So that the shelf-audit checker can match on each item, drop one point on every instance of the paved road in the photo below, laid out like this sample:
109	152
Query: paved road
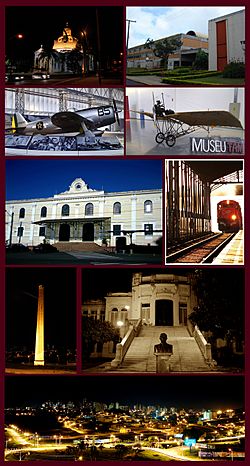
92	81
73	258
146	81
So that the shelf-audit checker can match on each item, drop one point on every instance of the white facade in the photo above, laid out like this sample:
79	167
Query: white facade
160	299
234	46
84	214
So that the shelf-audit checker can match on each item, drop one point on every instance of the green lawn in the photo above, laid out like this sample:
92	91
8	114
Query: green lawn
218	80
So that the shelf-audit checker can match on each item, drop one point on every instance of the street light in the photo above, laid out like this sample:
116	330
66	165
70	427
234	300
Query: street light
120	325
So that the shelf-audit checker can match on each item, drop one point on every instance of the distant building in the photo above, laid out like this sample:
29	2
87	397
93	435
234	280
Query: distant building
226	40
84	214
142	57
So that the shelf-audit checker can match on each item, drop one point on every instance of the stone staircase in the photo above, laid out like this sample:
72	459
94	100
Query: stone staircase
81	246
186	356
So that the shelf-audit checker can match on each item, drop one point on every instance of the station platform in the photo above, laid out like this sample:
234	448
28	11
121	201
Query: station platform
233	253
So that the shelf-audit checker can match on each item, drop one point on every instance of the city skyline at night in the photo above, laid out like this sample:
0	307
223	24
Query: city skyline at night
197	392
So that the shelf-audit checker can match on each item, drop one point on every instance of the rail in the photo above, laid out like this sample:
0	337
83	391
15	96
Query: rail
123	346
204	346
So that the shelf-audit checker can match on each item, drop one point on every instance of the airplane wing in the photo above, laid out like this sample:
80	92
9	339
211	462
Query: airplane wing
149	114
71	121
206	118
200	118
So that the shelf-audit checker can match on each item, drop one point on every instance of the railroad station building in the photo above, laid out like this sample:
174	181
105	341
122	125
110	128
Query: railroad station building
142	57
83	214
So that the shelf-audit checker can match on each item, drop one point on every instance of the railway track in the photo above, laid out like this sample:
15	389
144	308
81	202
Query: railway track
202	252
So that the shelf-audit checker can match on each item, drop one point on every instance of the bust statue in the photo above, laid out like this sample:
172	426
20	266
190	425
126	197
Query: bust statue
163	347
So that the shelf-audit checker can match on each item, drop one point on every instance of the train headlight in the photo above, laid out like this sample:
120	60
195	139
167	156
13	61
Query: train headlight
233	217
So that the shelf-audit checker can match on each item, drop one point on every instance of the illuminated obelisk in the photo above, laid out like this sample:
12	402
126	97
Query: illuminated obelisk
39	349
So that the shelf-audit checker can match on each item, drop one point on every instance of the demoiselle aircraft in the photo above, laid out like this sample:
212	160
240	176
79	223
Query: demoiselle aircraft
86	122
171	125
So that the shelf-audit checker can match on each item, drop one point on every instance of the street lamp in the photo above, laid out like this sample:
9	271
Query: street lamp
120	325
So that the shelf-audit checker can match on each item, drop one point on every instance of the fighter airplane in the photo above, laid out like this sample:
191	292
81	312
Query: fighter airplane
171	125
86	122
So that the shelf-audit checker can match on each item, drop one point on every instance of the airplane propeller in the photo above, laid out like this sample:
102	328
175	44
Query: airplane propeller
116	113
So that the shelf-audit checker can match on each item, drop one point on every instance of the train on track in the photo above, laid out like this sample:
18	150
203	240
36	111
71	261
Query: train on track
229	216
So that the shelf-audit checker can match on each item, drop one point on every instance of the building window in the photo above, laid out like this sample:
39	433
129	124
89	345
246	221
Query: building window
20	232
22	213
148	207
89	209
44	212
124	315
148	229
145	313
65	210
42	231
117	209
117	230
114	316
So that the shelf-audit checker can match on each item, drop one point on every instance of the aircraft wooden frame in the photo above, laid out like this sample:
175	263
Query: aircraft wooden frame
174	125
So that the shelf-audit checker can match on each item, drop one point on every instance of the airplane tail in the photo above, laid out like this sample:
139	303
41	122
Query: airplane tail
18	122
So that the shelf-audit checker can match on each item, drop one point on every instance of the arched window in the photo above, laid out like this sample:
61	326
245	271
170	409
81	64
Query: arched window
148	207
124	314
65	210
89	209
117	209
114	315
44	212
22	213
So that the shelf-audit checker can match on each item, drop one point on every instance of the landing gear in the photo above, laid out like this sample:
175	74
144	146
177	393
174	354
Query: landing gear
159	138
170	140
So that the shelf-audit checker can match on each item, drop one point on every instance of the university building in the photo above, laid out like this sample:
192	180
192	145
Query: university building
84	214
141	56
157	299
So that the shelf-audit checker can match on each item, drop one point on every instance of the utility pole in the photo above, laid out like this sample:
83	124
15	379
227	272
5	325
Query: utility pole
129	21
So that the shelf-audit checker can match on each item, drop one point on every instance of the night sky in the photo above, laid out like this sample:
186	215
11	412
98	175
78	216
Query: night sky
27	179
121	280
180	391
43	25
60	306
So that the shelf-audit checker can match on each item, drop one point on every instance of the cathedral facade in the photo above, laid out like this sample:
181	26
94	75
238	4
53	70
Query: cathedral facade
68	55
84	214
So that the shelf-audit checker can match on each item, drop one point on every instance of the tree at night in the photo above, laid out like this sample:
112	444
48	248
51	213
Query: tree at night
96	332
220	307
